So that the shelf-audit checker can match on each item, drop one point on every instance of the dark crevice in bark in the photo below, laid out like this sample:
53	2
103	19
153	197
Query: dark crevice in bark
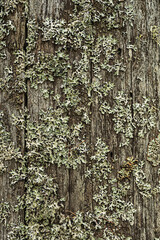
132	103
119	51
69	189
25	116
69	170
91	111
46	10
133	150
91	106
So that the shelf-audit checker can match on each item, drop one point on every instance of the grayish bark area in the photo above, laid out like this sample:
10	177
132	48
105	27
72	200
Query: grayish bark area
145	82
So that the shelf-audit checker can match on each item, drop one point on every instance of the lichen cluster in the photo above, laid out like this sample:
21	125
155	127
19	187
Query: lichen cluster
76	75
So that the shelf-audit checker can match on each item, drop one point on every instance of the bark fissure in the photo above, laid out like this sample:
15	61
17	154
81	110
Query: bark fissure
25	116
91	107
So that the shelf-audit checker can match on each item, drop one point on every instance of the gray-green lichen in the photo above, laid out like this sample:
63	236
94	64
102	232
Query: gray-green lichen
154	151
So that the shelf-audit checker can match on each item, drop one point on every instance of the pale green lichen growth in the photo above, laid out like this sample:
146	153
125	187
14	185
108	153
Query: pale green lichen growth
6	25
141	182
129	117
154	151
155	31
4	212
8	152
110	194
145	116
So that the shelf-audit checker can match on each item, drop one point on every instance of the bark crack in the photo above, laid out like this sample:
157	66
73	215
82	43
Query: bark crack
25	116
91	106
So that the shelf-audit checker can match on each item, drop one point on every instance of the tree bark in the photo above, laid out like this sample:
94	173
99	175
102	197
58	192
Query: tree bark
79	102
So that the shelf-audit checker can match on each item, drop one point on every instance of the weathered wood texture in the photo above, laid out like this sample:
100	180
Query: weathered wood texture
125	116
11	103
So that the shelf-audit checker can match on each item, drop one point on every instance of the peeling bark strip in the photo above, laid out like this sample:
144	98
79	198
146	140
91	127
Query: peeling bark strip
79	119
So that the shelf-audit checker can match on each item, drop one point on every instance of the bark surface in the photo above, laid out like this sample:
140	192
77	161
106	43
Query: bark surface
88	73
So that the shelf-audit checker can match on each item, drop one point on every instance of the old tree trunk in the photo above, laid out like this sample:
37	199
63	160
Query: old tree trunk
79	119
